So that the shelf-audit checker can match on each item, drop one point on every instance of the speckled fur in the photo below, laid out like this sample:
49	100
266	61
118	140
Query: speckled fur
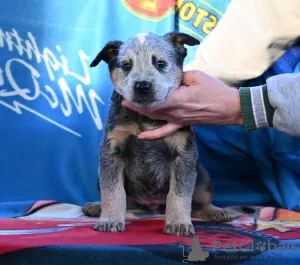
151	173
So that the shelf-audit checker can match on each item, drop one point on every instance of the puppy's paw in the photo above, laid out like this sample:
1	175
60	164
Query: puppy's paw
220	216
92	209
105	225
215	214
183	229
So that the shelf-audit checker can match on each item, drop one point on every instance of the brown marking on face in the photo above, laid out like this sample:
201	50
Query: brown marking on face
120	133
113	76
178	141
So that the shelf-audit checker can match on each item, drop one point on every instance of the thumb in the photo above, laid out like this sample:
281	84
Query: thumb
160	132
192	77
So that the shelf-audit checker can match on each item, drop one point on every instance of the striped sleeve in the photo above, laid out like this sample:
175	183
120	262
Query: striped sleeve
257	111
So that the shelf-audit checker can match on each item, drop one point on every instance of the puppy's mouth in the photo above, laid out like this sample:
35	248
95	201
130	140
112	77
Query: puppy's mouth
153	101
145	101
148	101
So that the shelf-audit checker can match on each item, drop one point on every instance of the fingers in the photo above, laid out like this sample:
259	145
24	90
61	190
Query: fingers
157	133
195	77
192	77
160	132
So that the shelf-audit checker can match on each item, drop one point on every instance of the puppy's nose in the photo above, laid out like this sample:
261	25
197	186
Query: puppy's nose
143	87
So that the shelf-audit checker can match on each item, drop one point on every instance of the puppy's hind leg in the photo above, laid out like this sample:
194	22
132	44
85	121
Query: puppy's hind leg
202	200
93	209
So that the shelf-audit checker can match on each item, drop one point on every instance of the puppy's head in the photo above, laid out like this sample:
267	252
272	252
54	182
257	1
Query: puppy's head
146	68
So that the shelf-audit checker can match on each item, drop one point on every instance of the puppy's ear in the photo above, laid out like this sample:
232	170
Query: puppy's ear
178	40
109	52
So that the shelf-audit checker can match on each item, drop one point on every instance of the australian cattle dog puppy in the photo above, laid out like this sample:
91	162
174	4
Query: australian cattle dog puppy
144	70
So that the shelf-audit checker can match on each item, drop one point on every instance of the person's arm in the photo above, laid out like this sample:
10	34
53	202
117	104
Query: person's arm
248	39
204	100
276	104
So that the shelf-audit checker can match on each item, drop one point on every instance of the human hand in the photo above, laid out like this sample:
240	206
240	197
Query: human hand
201	99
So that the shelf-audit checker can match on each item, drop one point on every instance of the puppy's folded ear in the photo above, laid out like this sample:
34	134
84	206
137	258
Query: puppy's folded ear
178	40
109	52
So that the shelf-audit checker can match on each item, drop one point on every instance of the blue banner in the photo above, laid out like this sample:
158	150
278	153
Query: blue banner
52	105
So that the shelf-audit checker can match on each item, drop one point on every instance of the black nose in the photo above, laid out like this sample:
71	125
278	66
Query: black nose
143	87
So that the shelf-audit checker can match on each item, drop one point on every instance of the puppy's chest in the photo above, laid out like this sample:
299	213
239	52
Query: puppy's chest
147	164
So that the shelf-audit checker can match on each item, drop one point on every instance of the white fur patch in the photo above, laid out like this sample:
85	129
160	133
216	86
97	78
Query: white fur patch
142	37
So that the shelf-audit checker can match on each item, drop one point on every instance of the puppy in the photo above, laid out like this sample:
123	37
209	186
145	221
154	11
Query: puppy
144	70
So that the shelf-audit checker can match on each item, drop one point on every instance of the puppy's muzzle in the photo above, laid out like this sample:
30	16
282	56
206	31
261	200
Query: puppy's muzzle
143	92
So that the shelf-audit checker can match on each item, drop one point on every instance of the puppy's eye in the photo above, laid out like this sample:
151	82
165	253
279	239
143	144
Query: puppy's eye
161	65
126	67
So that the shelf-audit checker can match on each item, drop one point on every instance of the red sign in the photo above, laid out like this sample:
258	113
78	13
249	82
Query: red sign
150	8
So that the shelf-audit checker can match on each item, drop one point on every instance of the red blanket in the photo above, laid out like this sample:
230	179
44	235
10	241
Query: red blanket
274	235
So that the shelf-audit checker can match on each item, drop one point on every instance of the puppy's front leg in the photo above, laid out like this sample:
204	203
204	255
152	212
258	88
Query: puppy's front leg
179	199
113	204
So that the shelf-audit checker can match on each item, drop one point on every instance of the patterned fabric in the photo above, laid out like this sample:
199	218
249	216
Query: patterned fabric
57	233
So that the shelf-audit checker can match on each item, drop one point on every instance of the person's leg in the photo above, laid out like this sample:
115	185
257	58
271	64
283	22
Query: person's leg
285	156
226	154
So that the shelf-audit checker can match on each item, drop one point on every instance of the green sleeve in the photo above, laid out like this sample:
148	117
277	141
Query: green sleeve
257	111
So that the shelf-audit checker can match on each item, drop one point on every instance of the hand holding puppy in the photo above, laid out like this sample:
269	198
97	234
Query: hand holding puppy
201	99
